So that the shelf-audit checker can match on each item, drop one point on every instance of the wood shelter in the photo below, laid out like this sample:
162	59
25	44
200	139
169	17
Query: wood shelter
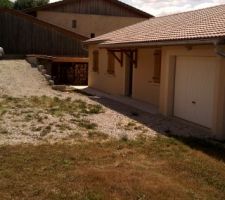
65	70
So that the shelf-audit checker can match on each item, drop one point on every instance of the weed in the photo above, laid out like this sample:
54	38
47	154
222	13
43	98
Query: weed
3	131
36	129
87	124
124	137
2	112
94	109
91	195
45	131
75	135
28	117
63	127
97	135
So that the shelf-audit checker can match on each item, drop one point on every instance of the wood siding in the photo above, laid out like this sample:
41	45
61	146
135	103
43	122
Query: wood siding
23	35
98	7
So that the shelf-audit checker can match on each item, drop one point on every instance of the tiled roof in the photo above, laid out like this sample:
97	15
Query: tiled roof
200	24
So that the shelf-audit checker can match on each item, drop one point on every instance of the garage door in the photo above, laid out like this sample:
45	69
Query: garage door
194	89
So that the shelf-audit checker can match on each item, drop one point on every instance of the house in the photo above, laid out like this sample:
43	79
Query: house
175	62
89	17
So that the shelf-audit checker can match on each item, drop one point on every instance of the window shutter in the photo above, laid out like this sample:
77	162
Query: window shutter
111	63
95	60
157	66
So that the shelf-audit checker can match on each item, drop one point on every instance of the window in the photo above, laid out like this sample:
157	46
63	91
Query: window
95	60
157	66
92	35
74	23
111	63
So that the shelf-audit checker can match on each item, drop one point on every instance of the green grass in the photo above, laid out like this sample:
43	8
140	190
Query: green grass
147	168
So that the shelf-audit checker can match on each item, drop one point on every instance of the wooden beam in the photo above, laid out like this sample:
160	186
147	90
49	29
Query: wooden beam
135	58
119	59
131	53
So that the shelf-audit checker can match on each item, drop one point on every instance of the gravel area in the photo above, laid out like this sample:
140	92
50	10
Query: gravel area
21	124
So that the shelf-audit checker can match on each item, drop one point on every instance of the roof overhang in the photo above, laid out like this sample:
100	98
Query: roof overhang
156	43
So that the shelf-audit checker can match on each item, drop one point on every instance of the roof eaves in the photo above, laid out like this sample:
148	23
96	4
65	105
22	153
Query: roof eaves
161	43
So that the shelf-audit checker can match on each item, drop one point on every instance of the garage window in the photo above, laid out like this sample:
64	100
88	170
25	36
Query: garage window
111	63
95	60
157	66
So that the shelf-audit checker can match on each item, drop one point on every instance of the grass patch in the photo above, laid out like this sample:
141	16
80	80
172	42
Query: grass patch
63	127
54	106
97	135
147	168
59	107
2	112
3	131
130	126
87	124
45	131
41	109
36	128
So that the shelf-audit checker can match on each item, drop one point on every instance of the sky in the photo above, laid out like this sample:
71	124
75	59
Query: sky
165	7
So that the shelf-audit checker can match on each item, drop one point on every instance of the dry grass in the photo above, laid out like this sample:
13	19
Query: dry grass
54	106
148	168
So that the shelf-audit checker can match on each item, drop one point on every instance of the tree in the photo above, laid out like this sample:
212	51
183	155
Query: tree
24	4
6	4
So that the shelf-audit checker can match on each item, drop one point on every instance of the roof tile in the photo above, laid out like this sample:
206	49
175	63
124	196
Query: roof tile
199	24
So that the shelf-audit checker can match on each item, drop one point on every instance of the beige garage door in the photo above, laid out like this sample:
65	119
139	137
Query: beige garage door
194	89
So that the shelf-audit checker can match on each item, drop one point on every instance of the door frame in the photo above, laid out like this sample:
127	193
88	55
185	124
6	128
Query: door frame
129	68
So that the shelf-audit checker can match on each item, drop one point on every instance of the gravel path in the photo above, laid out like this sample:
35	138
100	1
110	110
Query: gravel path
19	79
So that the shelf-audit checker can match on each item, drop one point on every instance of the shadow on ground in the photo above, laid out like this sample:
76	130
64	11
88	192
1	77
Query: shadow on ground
173	128
212	148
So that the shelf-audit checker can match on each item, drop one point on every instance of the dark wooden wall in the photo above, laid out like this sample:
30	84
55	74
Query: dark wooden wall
19	35
98	7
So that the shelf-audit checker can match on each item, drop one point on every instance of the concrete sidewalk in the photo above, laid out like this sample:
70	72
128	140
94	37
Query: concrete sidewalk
140	105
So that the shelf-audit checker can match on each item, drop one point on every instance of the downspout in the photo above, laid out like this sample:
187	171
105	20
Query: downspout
219	48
